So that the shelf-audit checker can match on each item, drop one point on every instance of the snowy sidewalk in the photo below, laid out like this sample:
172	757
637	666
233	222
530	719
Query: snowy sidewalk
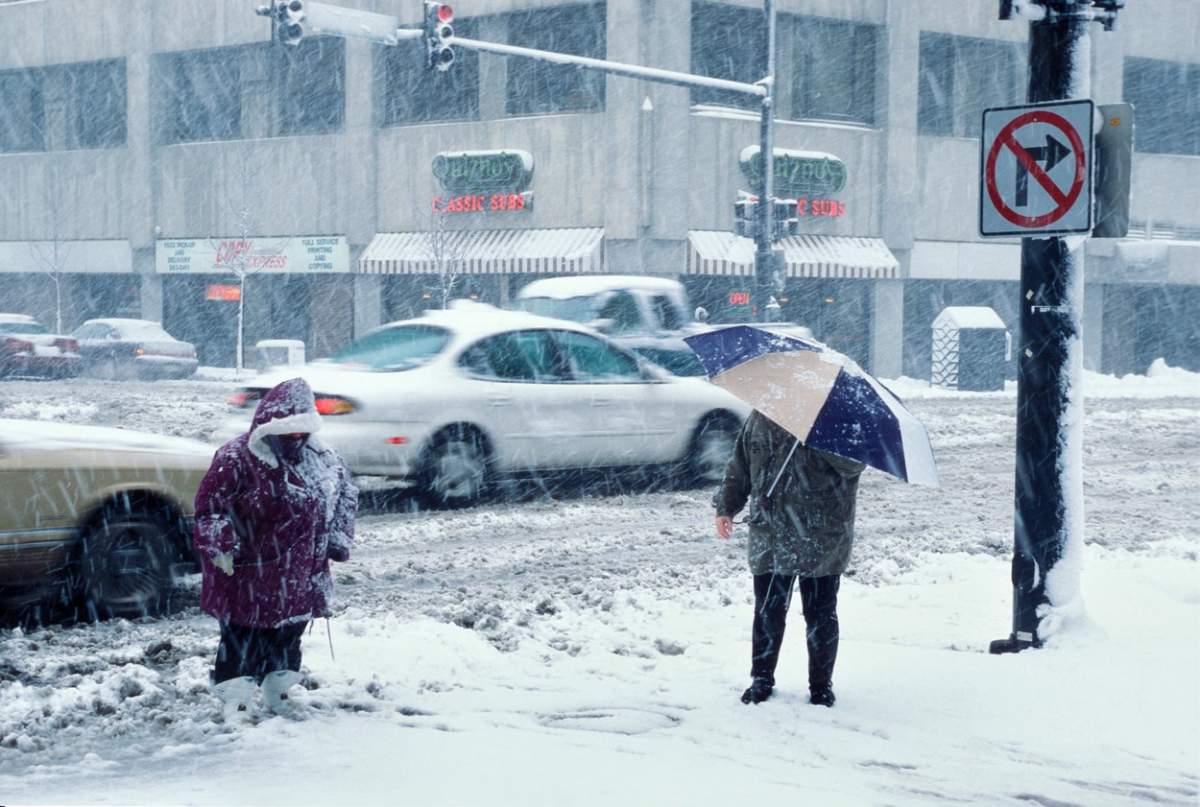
638	705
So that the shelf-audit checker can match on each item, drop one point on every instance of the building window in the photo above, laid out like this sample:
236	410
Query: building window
95	93
1166	96
22	113
199	95
960	77
727	44
534	87
834	72
312	86
411	93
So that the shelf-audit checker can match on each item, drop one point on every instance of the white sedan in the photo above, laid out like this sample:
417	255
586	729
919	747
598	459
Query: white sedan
453	398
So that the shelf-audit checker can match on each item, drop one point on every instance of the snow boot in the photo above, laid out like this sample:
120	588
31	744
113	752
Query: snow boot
275	688
237	695
822	697
760	689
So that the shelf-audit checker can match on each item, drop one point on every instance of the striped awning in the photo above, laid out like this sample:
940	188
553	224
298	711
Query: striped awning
718	252
565	250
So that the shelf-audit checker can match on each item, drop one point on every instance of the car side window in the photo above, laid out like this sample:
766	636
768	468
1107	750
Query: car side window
622	309
595	361
666	313
522	356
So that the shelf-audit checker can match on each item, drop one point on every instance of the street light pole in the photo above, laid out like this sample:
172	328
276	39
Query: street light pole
1049	487
766	276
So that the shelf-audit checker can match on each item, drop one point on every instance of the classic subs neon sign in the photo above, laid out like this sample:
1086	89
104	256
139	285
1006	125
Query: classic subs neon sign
807	176
483	181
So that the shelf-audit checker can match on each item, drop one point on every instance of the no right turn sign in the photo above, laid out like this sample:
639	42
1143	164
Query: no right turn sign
1036	169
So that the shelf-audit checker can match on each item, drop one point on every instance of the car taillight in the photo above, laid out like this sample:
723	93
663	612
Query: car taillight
18	346
139	351
328	405
243	398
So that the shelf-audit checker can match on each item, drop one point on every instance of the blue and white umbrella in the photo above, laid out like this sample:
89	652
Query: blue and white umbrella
822	397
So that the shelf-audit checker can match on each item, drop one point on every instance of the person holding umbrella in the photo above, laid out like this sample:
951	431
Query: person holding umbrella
803	531
819	422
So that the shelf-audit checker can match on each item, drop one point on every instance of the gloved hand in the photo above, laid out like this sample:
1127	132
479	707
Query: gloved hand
224	563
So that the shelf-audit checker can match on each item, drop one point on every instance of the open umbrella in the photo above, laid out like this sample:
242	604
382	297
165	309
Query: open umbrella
822	397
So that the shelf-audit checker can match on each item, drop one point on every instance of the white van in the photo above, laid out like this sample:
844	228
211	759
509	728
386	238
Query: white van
648	315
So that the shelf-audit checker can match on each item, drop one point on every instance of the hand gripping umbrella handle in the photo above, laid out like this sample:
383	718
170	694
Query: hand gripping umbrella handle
782	468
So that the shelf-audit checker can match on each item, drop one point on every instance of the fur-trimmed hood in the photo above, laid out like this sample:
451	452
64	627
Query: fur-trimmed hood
287	408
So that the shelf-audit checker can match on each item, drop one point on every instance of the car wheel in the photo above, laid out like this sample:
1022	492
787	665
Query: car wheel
126	556
711	447
456	470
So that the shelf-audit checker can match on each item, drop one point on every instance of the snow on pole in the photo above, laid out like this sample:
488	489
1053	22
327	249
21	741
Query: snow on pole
1048	524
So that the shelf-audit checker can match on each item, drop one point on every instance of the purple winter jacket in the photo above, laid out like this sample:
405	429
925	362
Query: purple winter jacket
281	522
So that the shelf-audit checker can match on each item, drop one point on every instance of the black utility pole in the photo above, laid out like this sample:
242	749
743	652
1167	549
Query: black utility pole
1048	370
767	280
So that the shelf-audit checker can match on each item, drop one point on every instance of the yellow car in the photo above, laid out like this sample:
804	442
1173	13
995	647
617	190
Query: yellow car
102	515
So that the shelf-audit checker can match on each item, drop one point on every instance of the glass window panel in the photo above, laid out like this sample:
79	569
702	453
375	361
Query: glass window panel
200	95
834	70
312	96
1165	97
22	113
935	92
535	87
727	43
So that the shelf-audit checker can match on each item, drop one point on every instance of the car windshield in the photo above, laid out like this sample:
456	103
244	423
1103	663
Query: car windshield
142	330
21	327
575	309
403	347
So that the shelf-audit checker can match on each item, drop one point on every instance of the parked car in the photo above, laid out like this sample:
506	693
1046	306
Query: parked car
102	514
451	399
133	348
27	348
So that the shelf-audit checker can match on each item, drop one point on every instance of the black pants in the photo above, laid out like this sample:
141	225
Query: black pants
818	596
257	651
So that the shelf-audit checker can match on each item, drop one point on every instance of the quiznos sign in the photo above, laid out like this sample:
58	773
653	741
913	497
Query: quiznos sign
483	181
797	173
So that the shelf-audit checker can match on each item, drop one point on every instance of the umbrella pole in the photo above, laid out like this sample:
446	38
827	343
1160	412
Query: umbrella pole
782	468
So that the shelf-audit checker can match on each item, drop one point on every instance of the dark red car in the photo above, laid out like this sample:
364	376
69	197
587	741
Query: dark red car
27	348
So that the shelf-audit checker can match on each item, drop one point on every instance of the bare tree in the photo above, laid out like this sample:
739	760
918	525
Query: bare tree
51	255
239	255
445	251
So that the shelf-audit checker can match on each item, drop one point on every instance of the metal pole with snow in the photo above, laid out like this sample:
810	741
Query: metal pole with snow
1048	520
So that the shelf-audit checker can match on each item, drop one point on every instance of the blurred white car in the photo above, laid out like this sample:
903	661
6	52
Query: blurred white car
455	397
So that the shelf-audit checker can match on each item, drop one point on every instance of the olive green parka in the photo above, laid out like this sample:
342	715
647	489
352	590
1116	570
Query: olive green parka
806	527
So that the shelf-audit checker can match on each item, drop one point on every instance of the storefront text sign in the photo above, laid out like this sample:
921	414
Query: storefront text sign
483	203
483	181
797	173
299	254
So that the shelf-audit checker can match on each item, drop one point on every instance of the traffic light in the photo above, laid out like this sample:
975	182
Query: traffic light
438	32
288	16
785	218
745	217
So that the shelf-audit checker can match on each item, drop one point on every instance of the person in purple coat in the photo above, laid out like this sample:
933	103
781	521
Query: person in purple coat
274	508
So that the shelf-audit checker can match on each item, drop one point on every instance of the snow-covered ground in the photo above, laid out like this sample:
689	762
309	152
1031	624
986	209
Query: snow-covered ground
591	650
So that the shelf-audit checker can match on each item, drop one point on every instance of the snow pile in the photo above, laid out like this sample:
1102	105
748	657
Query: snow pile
72	412
1160	381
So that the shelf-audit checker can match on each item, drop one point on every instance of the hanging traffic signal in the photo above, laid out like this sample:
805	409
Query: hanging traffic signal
288	16
785	217
745	217
438	32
